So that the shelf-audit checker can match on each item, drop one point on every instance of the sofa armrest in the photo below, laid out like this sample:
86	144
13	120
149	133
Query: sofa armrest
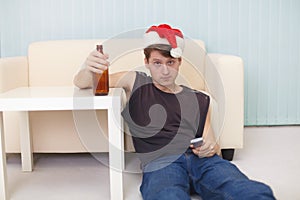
13	73
225	81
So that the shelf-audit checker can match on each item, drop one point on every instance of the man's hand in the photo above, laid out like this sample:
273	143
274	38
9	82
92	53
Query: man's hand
97	62
207	149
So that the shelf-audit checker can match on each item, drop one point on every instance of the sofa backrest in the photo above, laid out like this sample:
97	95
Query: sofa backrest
54	63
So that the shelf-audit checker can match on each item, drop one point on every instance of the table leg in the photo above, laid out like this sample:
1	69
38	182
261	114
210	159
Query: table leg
3	172
116	150
26	142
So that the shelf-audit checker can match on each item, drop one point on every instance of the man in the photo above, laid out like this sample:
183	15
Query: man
163	117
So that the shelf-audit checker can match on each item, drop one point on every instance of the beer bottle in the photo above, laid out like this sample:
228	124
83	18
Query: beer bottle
101	81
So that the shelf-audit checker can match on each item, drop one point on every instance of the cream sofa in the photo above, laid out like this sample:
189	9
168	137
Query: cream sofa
54	63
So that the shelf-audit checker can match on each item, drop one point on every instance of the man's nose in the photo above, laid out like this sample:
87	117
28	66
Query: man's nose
165	69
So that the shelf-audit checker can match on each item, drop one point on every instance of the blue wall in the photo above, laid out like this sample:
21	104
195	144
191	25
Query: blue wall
265	33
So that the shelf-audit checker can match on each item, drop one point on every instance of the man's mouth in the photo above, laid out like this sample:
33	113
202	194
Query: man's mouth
166	78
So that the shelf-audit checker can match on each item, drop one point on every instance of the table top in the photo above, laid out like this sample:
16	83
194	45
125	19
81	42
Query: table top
56	98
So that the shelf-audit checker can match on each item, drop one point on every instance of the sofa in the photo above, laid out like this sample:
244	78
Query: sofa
54	63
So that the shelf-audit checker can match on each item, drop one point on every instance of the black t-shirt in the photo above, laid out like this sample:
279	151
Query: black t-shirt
161	123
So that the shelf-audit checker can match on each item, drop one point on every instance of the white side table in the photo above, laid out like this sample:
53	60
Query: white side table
25	99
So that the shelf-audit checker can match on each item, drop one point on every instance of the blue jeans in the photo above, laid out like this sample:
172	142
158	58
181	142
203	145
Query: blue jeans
211	178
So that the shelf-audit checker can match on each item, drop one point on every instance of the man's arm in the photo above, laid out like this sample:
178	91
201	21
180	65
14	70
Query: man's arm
97	62
123	80
210	146
209	136
83	79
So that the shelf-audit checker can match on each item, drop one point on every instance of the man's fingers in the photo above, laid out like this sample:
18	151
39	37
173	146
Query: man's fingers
96	60
96	65
99	58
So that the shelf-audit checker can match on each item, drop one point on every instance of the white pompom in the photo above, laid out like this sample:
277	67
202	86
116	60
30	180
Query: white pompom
176	52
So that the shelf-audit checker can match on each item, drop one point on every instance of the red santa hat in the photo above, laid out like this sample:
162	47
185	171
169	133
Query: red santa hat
165	34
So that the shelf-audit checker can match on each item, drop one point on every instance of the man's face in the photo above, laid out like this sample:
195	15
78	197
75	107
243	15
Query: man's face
164	70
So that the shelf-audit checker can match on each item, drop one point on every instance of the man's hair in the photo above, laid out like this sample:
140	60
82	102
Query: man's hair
164	50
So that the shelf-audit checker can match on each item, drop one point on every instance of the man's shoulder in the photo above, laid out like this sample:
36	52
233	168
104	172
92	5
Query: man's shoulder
142	78
142	74
197	92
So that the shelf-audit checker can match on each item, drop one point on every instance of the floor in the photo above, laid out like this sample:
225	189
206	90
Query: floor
270	154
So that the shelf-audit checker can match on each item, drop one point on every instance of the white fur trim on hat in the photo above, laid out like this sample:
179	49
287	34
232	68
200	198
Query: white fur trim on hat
176	52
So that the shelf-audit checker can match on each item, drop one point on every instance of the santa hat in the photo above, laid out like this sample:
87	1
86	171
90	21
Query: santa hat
165	34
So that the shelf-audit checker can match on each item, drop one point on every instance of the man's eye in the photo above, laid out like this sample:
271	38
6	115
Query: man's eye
157	63
171	62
